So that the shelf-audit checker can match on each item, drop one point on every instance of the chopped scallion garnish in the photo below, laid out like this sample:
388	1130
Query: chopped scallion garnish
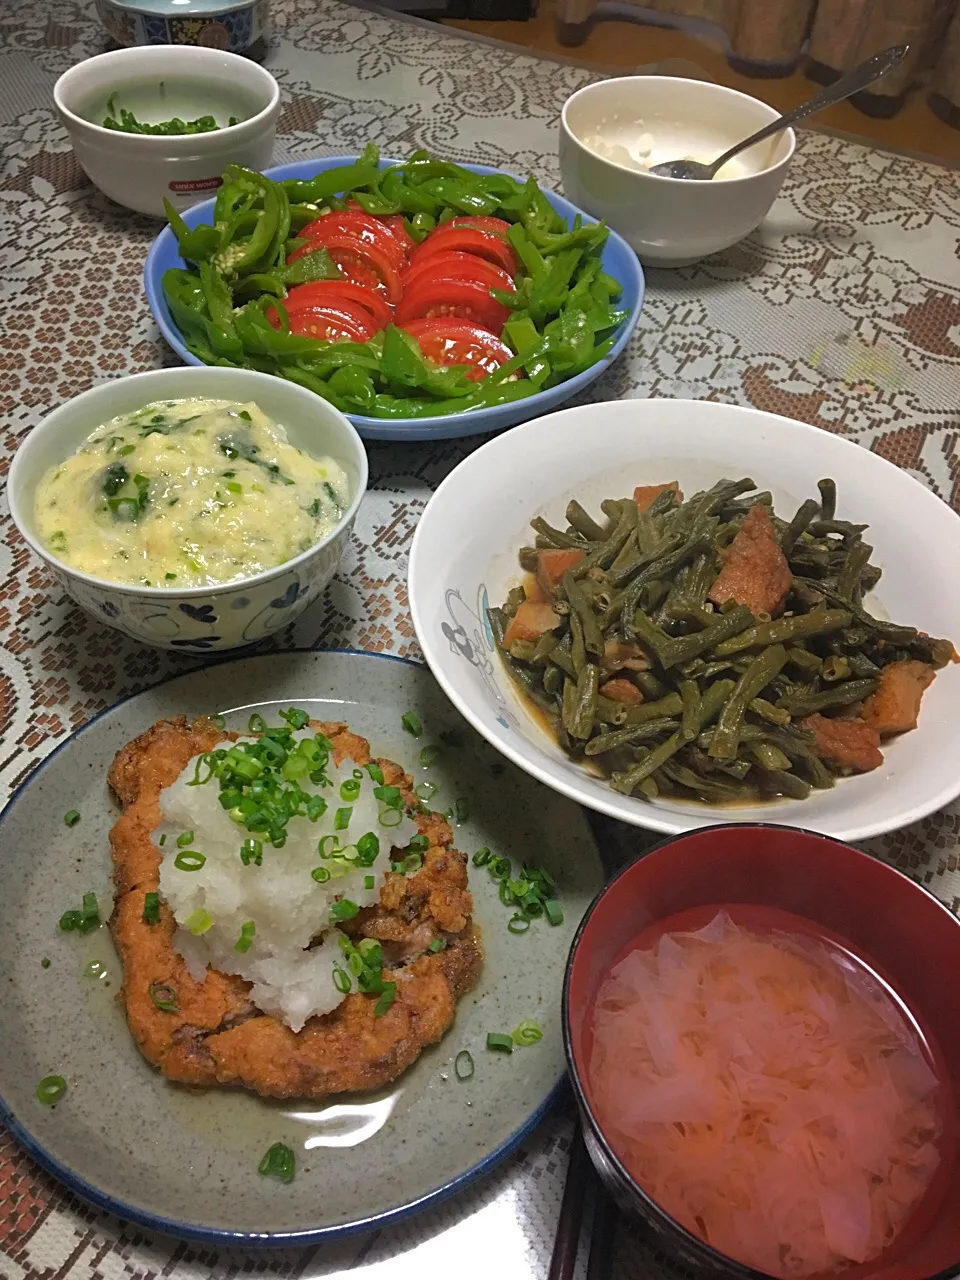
189	860
320	874
463	1066
438	944
482	857
392	797
527	1033
369	882
45	962
552	911
256	723
279	1162
461	809
184	839
89	914
375	772
71	818
341	819
341	979
51	1089
164	997
198	922
245	941
151	908
429	756
387	997
424	791
502	1043
344	909
411	722
251	851
368	848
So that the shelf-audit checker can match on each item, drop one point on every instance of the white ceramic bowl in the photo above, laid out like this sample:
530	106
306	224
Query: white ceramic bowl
464	557
139	170
195	619
671	222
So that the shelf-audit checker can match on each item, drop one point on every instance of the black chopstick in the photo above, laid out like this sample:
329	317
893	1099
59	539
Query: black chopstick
565	1242
580	1173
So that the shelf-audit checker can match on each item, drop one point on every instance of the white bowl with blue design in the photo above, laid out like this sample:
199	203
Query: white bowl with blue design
618	259
202	619
465	557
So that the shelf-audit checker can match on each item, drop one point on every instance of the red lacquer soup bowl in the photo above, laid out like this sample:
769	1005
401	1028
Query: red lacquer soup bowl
908	938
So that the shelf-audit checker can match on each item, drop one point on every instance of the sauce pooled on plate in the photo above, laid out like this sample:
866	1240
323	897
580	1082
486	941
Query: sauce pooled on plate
187	493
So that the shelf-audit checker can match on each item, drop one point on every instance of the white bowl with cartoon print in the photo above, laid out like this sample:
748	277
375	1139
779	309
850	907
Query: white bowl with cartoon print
201	619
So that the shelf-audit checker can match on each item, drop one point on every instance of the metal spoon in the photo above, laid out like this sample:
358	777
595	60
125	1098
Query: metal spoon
851	83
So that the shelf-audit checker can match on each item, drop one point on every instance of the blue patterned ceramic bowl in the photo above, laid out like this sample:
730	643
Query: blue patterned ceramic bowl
195	619
232	25
619	260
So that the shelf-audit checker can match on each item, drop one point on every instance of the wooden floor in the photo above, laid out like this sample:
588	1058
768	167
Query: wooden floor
615	44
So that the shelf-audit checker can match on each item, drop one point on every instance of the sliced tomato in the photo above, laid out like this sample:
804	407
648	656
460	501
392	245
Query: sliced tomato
451	341
342	321
398	229
495	226
463	298
450	265
353	222
332	291
360	263
468	240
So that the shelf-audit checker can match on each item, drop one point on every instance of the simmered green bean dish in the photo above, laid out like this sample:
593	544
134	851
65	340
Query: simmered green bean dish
709	649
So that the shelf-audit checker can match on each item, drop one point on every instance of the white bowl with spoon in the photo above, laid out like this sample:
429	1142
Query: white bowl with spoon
157	83
685	168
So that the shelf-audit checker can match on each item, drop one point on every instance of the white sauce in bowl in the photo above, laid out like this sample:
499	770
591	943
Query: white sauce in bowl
639	146
187	493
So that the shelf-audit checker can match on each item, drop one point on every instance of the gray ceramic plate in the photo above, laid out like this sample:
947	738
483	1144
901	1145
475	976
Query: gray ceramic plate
186	1162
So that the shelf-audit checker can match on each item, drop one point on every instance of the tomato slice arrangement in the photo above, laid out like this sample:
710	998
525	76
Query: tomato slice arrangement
451	341
465	237
372	284
336	320
332	291
453	265
438	291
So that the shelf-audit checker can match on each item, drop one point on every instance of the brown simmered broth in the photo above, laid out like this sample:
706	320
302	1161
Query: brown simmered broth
709	649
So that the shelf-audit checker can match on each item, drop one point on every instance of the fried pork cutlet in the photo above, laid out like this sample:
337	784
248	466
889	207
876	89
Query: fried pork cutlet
217	1036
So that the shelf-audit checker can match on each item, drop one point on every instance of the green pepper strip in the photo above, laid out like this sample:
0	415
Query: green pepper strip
196	244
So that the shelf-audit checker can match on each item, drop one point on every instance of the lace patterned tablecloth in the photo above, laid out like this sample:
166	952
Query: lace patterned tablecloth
843	311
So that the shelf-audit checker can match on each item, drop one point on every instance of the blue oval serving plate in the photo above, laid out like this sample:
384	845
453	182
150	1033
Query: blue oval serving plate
619	261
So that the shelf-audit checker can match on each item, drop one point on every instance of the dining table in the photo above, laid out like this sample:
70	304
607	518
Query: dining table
842	310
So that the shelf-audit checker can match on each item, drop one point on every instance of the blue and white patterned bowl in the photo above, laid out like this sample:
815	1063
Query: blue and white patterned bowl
195	619
231	25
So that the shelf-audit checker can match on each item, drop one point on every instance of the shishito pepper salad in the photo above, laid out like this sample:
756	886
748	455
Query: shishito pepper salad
412	290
